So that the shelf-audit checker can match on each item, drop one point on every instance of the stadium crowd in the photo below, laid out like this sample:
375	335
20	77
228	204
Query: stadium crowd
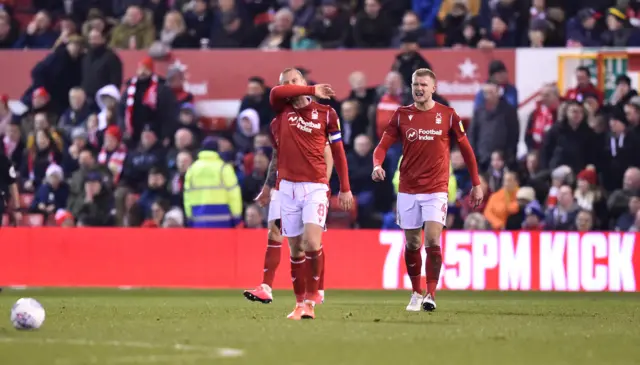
97	147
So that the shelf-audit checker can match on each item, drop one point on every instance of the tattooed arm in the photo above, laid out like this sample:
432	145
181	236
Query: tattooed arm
272	172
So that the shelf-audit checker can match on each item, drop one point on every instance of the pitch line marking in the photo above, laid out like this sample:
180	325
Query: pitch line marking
206	351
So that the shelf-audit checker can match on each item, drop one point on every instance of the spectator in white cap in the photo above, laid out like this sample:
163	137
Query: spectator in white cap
559	176
53	194
173	219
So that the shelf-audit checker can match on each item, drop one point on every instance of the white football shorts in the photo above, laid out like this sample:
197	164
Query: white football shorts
300	204
274	206
415	209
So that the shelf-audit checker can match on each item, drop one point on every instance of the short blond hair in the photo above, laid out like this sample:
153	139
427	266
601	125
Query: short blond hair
422	72
290	69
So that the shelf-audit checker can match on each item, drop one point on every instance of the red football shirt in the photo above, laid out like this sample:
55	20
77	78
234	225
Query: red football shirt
425	146
301	136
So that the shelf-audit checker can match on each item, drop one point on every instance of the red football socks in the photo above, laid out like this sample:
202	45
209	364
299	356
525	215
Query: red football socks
315	264
271	262
321	282
413	260
434	263
298	265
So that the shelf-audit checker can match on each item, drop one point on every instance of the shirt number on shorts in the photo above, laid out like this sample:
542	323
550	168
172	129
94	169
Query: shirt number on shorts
322	211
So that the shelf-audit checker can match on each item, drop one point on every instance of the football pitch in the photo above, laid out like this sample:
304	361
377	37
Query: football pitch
97	326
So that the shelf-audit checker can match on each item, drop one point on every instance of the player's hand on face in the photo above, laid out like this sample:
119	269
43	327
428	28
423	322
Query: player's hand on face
476	196
324	91
378	174
263	198
345	200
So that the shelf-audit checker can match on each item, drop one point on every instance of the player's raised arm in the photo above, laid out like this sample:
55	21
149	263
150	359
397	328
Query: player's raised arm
389	137
469	158
340	160
281	94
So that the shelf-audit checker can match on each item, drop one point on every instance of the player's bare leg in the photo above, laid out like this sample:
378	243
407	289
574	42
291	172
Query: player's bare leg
432	232
312	238
263	293
413	260
298	275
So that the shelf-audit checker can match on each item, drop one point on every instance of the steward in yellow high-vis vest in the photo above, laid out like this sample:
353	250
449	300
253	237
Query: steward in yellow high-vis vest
212	196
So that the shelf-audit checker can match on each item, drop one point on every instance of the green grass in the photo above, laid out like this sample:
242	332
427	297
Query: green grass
143	326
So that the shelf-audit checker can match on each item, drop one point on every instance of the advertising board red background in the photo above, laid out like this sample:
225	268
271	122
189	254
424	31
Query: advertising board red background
223	74
550	261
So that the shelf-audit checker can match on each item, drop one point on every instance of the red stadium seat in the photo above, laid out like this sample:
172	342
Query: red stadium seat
214	124
32	220
23	19
26	200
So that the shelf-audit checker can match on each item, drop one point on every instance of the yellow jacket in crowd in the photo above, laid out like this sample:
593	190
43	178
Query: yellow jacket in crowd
212	196
453	184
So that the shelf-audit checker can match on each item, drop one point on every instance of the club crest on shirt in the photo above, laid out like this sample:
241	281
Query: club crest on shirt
314	114
438	118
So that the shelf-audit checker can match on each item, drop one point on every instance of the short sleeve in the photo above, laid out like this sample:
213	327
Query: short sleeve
457	126
334	132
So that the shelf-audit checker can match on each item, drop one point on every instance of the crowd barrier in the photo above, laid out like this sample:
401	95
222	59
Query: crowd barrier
355	259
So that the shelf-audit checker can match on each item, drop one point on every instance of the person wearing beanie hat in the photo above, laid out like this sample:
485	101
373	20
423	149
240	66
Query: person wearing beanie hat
622	149
581	29
499	75
212	196
188	118
588	195
40	98
533	217
79	141
147	98
94	209
174	218
64	219
623	92
53	194
176	80
559	176
113	153
619	32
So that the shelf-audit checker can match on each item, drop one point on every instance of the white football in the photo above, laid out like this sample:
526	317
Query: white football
27	314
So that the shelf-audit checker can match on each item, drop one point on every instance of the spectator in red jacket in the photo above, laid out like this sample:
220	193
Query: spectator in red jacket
584	86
